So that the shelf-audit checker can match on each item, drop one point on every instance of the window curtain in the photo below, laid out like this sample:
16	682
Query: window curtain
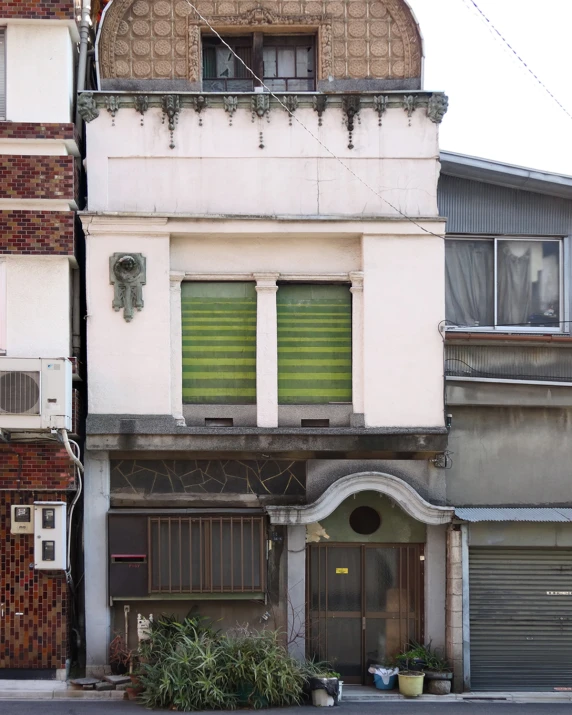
514	284
469	270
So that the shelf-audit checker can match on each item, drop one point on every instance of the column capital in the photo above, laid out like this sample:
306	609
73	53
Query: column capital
266	282
356	277
176	278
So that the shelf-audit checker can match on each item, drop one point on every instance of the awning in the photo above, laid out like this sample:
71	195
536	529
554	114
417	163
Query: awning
538	514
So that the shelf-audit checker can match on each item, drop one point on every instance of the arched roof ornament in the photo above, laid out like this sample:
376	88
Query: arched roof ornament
402	494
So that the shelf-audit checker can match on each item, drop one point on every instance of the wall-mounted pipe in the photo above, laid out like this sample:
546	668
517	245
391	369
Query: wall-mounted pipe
84	28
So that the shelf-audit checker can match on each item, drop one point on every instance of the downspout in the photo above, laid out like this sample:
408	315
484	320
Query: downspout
84	28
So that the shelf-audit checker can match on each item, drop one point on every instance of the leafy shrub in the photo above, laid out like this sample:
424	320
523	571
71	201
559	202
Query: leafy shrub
189	666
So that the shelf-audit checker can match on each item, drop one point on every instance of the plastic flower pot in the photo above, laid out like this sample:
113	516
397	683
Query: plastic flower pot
325	691
411	683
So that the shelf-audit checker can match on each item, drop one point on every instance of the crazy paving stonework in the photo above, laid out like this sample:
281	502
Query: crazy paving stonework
34	623
168	476
357	39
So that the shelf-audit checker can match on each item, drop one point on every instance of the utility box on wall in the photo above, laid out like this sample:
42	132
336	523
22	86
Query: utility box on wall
21	519
50	543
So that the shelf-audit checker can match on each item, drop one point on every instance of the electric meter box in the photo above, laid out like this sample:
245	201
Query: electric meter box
50	547
21	519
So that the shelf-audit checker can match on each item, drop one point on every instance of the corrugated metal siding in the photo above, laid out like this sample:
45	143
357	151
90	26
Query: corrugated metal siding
476	207
552	364
521	633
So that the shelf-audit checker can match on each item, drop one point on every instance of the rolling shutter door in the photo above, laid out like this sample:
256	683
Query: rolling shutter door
520	619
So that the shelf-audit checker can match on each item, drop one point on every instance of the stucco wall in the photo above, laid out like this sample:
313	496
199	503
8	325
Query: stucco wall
38	306
218	169
39	72
509	456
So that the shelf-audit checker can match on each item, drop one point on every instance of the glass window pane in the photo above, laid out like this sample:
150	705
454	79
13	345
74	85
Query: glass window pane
286	62
469	271
224	62
276	85
269	58
528	277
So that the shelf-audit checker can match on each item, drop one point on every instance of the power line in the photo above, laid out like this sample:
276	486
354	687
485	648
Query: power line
292	116
496	32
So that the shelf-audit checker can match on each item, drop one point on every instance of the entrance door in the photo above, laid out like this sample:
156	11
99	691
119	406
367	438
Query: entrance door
365	603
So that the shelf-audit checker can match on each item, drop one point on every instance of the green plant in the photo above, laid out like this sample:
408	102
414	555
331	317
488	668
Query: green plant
119	654
421	657
189	666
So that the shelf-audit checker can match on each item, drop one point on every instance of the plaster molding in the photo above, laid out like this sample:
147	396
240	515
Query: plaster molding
356	278
176	278
402	494
266	282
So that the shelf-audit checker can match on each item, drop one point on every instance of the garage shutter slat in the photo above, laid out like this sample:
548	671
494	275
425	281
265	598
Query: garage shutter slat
521	634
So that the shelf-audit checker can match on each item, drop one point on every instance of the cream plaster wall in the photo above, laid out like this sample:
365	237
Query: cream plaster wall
129	363
39	72
131	167
37	306
404	294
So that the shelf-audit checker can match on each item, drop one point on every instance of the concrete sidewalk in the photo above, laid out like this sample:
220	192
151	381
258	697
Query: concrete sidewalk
365	694
52	690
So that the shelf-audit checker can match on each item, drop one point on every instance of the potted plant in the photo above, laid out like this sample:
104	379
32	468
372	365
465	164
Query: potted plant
411	674
119	656
325	686
421	659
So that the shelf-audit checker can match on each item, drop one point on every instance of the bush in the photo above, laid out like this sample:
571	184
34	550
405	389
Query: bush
189	666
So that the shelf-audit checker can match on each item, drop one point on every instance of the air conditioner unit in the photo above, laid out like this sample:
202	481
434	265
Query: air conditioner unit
35	394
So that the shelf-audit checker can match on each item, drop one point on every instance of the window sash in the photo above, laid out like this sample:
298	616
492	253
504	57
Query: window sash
508	328
224	554
2	74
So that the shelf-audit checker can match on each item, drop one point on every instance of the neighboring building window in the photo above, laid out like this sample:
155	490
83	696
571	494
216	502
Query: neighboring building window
314	344
2	74
207	554
219	343
505	284
286	63
3	306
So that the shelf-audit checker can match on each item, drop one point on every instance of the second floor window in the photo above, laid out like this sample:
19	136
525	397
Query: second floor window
286	63
505	284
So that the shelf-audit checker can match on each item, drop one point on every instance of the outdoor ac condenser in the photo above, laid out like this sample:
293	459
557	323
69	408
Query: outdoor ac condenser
35	394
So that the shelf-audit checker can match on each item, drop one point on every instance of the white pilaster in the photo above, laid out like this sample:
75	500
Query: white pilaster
97	611
356	290
296	600
176	348
266	350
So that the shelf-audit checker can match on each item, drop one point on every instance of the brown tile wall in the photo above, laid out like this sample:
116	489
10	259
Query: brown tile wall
38	638
38	9
37	232
37	177
29	130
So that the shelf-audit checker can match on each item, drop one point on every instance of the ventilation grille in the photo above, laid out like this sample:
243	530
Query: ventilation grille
20	393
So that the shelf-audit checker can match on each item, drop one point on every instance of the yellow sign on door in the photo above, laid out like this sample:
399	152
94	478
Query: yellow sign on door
341	570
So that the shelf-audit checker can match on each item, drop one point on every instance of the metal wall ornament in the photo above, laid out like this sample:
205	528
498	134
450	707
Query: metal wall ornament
141	105
410	105
351	105
380	106
200	103
112	106
319	102
290	102
230	106
87	107
171	106
127	275
437	107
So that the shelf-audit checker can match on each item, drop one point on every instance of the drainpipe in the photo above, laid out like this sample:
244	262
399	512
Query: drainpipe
84	27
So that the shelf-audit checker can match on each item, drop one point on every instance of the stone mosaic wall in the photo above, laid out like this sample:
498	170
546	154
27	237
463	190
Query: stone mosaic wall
169	476
358	39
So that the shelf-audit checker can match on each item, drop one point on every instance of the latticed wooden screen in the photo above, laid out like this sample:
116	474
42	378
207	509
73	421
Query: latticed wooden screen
314	344
219	343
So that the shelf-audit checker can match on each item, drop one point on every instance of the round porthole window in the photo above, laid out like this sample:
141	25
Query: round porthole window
365	520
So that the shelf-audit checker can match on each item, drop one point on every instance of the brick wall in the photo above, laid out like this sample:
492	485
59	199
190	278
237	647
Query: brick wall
35	466
37	232
28	130
34	629
38	9
36	177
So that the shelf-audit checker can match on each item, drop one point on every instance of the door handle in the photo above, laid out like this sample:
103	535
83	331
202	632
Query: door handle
2	610
363	623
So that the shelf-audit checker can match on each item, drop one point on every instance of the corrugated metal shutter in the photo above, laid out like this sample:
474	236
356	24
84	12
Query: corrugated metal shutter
219	343
314	344
521	618
2	74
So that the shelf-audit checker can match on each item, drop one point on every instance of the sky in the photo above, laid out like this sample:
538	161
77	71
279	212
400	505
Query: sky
497	110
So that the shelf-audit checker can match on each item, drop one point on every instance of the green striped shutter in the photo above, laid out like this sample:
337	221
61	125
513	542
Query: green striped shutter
314	344
219	343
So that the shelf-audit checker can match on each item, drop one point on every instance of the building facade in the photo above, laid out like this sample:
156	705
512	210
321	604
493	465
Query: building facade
265	434
508	377
39	326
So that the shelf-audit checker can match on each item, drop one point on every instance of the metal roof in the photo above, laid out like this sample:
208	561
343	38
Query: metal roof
510	175
493	513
